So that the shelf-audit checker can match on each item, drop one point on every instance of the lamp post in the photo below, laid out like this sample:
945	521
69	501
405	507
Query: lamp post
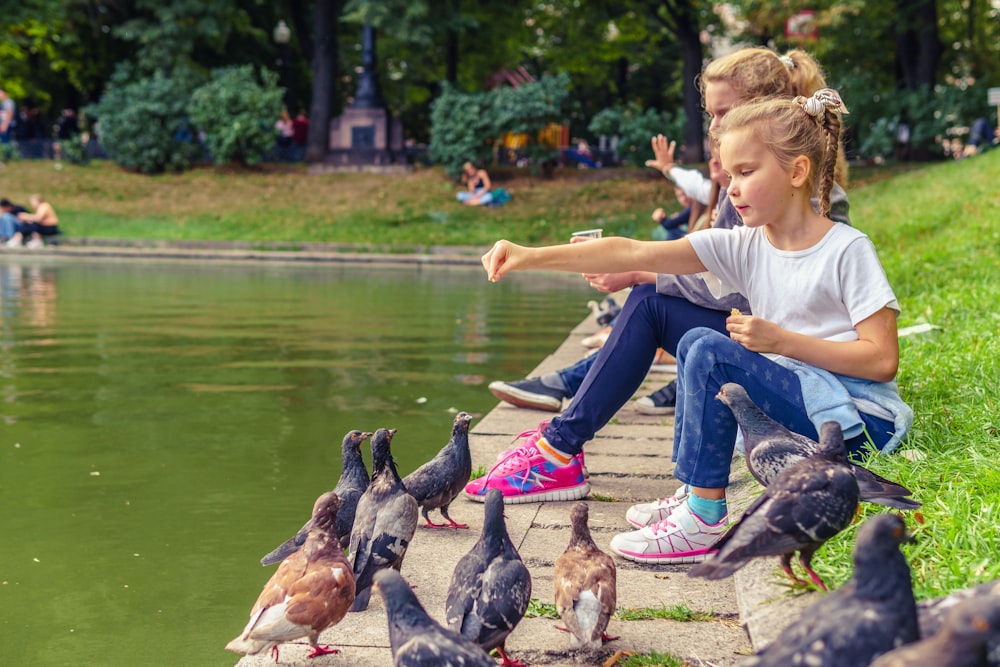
282	35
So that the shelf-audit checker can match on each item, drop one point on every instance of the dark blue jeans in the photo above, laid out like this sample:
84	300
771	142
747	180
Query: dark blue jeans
573	376
648	320
705	429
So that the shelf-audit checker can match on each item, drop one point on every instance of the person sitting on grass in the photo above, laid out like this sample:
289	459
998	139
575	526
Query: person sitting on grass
478	183
8	218
43	222
821	344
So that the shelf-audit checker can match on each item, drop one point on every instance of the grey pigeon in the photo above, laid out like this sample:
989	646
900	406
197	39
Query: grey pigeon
439	481
933	613
871	614
385	521
962	642
770	448
585	584
490	588
352	483
309	592
804	506
416	639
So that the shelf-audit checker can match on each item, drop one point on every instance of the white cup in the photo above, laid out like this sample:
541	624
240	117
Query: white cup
589	233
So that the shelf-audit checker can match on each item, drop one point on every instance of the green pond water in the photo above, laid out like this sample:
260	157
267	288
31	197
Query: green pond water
162	426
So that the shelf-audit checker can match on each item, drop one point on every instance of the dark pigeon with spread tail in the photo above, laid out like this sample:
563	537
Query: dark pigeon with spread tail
804	506
416	639
585	581
963	641
438	482
309	592
871	614
385	521
491	587
770	448
352	483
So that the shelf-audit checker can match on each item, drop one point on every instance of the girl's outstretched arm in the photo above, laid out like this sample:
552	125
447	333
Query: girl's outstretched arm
874	356
608	255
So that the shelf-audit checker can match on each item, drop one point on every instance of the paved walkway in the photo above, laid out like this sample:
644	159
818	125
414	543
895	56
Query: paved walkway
629	461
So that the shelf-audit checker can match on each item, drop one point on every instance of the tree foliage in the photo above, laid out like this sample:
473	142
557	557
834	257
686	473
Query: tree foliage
634	128
236	112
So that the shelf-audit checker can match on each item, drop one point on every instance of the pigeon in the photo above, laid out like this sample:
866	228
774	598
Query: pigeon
352	483
416	639
932	613
770	448
804	506
961	642
439	481
871	614
585	581
309	592
490	588
384	523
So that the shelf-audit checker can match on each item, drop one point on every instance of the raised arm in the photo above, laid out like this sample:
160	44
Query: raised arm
607	255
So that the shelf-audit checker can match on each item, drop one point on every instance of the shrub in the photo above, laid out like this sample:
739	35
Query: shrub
9	152
634	128
236	111
143	122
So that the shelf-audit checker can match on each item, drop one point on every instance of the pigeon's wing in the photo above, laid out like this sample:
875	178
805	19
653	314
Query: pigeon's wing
881	491
932	613
429	480
465	588
289	546
437	649
776	453
503	600
585	593
394	527
825	502
359	551
321	597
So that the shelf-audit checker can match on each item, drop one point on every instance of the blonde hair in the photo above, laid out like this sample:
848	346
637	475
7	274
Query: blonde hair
759	72
789	131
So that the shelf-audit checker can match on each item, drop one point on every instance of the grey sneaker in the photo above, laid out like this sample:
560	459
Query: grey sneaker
532	393
661	402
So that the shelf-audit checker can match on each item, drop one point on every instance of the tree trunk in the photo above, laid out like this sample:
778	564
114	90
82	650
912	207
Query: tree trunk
918	45
451	57
324	74
694	136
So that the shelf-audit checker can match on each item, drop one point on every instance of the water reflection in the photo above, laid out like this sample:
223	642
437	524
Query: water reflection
164	426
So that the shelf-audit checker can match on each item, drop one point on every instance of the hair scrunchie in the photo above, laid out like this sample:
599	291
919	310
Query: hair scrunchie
787	62
823	99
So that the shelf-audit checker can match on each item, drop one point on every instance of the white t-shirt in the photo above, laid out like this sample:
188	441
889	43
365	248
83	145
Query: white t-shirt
822	291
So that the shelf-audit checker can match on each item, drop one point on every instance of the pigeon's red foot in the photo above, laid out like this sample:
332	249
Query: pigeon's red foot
605	638
429	524
457	525
507	661
322	650
274	652
816	580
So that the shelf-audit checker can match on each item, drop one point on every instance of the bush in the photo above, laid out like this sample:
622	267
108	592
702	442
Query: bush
9	152
236	111
143	122
634	129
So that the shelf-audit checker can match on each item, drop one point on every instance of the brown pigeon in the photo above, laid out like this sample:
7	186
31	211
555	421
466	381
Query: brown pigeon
807	503
352	483
310	591
871	614
770	448
585	582
439	481
384	523
961	642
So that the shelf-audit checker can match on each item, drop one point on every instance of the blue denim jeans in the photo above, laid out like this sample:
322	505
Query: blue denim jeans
648	320
705	429
572	376
8	225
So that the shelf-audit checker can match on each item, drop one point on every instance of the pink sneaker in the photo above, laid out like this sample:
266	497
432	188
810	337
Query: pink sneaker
682	538
542	425
523	475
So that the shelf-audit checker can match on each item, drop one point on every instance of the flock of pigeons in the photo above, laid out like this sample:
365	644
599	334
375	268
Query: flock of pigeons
812	492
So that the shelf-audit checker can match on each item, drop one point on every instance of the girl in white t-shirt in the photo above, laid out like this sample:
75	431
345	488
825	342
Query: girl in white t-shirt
821	343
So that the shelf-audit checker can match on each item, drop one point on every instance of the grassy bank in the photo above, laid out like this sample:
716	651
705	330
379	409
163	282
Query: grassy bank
937	228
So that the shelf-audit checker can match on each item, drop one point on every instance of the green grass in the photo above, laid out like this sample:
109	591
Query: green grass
539	609
654	659
678	612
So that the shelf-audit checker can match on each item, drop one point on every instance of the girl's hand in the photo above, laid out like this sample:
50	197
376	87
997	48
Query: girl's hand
501	259
663	150
610	282
754	333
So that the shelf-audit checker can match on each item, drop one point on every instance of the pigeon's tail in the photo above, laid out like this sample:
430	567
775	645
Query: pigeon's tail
714	569
877	489
245	646
361	598
282	552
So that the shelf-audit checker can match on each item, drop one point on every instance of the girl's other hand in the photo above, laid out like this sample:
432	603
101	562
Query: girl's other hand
610	282
663	152
754	333
500	260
